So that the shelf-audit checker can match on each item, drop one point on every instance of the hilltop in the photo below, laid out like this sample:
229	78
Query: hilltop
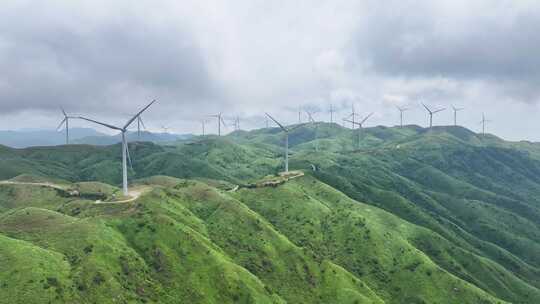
382	215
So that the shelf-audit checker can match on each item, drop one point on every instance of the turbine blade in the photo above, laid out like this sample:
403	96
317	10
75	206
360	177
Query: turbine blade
101	123
310	117
354	122
61	108
223	121
439	110
366	118
427	108
280	125
61	123
295	127
138	114
142	123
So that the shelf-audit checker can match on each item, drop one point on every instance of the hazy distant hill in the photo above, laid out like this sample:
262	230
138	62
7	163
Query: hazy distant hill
32	138
29	138
132	136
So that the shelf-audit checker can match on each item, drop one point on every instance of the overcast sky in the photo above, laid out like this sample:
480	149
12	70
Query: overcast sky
106	59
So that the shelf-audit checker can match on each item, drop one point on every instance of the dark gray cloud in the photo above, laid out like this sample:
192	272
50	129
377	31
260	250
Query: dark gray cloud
102	68
492	41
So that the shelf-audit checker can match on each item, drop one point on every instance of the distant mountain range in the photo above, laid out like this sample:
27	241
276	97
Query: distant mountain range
40	137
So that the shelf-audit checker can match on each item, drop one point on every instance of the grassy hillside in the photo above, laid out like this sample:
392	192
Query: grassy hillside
384	215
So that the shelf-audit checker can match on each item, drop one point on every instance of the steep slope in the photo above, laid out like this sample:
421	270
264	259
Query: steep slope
462	209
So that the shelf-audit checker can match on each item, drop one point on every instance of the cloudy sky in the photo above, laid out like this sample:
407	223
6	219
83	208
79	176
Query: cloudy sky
106	59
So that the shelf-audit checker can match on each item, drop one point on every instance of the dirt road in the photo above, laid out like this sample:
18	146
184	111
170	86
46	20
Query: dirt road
134	193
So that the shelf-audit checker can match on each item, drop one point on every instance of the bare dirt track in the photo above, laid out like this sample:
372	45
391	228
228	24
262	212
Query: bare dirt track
134	193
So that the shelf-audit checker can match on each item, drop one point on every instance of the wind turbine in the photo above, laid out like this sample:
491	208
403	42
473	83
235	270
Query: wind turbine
314	123
360	125
66	122
125	148
483	122
332	111
236	123
353	116
430	112
286	130
203	122
401	110
299	114
455	113
219	122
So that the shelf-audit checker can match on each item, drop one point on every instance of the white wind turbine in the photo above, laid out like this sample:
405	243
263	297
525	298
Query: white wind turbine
431	112
352	116
360	125
236	123
286	130
401	110
315	125
483	122
125	151
66	122
219	121
203	123
332	111
455	114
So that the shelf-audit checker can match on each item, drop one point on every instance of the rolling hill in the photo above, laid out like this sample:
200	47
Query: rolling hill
383	215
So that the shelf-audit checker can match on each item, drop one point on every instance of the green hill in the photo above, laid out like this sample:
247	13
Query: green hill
383	215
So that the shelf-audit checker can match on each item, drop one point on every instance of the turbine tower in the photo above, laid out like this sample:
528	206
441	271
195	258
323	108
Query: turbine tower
483	122
352	116
125	149
236	123
332	111
401	110
430	112
314	123
66	122
455	114
203	122
286	130
360	126
219	122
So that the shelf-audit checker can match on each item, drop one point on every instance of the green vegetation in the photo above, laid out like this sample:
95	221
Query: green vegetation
400	216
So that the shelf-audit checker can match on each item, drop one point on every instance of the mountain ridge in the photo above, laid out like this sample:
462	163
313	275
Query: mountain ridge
466	205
